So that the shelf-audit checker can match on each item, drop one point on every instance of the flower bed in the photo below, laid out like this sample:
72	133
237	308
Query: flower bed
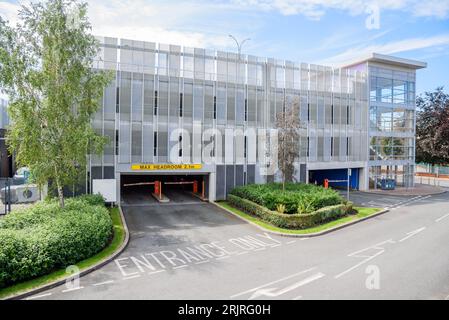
297	198
291	221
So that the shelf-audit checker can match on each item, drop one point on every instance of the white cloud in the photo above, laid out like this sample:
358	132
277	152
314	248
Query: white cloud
166	21
432	8
150	21
143	20
315	9
388	48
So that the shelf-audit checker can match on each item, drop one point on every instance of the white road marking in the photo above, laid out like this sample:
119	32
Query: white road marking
103	283
133	277
271	283
203	262
39	296
297	298
223	258
73	289
242	253
442	218
180	267
156	272
418	200
291	242
275	246
404	203
366	257
358	264
271	292
413	233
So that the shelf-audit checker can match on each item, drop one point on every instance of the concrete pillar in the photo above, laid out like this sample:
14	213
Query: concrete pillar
212	186
118	183
259	179
364	179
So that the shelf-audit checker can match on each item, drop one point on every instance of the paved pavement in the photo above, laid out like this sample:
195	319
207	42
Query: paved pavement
197	251
417	190
439	182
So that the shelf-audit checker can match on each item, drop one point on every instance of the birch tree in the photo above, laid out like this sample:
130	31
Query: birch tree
46	69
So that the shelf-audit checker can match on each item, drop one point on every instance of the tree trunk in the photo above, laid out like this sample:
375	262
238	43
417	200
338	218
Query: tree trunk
61	196
60	189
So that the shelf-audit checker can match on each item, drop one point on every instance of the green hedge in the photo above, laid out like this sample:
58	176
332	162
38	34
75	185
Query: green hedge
291	221
300	197
43	238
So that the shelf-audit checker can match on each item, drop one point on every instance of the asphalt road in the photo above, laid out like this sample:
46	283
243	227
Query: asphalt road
193	250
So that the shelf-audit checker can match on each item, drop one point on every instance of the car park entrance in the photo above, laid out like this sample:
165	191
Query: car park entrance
145	189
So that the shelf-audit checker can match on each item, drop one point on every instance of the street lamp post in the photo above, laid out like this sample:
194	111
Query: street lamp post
239	48
239	44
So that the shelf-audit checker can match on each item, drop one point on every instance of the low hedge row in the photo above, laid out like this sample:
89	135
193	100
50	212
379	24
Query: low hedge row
291	221
43	238
297	197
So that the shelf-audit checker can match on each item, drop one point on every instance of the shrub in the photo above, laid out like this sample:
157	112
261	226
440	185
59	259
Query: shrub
44	238
289	221
305	206
93	199
280	208
297	197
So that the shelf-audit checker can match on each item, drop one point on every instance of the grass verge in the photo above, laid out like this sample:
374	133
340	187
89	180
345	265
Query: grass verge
117	240
362	213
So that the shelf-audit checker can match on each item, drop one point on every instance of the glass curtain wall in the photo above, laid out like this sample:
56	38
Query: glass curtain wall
392	126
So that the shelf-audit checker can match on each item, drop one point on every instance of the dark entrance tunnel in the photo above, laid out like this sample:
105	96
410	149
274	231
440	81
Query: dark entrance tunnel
139	189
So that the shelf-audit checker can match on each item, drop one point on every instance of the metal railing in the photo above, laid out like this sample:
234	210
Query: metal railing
5	195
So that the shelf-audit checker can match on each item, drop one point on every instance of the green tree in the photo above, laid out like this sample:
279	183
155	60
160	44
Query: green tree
432	128
46	68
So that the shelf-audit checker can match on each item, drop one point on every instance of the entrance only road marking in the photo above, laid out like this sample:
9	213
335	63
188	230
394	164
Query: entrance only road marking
182	257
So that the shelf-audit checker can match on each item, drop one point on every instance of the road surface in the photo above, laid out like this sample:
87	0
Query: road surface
193	250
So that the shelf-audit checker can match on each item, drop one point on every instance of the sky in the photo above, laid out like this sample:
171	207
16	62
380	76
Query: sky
330	32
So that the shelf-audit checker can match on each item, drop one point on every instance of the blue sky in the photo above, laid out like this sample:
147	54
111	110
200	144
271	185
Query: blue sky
317	31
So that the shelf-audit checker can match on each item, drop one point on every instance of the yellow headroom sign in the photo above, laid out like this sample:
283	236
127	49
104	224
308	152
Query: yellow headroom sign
155	167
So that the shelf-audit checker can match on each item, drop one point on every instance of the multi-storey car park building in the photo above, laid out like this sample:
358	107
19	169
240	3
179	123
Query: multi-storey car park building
178	105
